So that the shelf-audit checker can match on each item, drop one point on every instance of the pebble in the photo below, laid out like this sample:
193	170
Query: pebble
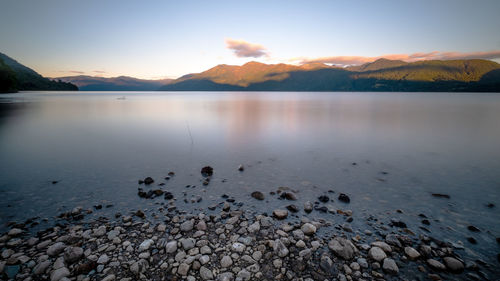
280	214
376	254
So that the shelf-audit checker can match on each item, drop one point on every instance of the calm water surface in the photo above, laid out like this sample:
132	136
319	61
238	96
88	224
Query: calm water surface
405	146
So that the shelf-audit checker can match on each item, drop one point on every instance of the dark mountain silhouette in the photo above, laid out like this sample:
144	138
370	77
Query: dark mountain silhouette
121	83
17	77
380	75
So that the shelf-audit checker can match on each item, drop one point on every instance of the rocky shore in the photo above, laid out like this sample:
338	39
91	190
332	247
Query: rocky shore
228	242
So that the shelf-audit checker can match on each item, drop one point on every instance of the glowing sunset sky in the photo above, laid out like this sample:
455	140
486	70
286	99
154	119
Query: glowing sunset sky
158	39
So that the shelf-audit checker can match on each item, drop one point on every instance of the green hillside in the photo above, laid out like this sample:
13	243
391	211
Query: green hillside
27	79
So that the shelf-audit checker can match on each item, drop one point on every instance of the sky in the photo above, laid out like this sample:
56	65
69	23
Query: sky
167	39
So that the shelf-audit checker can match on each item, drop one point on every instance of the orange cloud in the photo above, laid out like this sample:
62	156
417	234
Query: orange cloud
356	60
243	49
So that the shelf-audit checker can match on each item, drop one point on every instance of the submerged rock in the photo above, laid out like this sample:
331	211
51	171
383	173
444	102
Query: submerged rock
344	198
439	195
453	264
148	180
207	171
258	195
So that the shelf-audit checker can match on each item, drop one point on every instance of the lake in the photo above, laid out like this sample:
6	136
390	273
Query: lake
387	151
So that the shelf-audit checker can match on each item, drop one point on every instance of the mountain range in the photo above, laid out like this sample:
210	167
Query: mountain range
121	83
381	75
17	77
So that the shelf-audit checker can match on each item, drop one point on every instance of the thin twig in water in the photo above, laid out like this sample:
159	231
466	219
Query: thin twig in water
190	136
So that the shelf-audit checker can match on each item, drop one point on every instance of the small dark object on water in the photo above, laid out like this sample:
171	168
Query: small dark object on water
384	173
117	215
140	214
331	191
206	182
109	205
354	163
272	193
258	195
230	200
498	240
322	209
158	192
426	222
422	215
207	171
148	180
473	228
288	196
292	208
490	205
225	196
168	196
349	219
54	182
398	223
472	240
140	181
324	199
171	174
344	198
439	195
241	168
98	207
161	184
167	178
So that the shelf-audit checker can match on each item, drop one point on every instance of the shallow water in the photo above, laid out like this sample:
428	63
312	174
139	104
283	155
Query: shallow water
405	146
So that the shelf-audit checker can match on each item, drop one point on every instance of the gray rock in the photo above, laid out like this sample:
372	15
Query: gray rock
390	266
308	229
205	273
280	249
15	232
434	264
58	274
187	243
145	245
362	262
226	261
382	245
187	226
376	254
453	264
280	214
110	277
308	206
41	267
171	247
412	253
113	234
56	249
100	231
201	225
103	259
226	276
244	274
238	247
254	227
183	269
392	239
72	254
343	248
